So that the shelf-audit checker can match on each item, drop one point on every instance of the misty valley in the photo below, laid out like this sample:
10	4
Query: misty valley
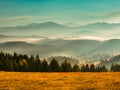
99	53
79	44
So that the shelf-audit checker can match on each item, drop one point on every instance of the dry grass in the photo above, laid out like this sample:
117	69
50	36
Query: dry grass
59	81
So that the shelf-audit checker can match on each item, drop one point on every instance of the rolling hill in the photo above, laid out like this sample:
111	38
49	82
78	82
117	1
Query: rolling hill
59	47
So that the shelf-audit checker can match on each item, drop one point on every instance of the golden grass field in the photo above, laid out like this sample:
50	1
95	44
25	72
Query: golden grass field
59	81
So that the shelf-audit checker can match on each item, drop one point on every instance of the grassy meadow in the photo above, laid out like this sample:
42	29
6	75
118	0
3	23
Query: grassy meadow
59	81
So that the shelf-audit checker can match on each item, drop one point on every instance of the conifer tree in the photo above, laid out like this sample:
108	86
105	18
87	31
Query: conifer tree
54	66
75	68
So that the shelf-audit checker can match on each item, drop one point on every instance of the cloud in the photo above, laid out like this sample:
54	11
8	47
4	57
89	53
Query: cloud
15	18
113	17
93	17
17	38
19	18
83	38
114	14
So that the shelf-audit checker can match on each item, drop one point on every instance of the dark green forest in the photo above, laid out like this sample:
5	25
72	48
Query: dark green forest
24	63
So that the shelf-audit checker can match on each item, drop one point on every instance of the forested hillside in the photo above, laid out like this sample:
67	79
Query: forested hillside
23	63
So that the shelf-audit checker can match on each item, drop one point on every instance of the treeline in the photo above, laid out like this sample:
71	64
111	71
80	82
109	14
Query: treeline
115	67
23	63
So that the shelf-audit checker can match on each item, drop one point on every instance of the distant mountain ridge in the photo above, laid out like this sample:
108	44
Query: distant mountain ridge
101	25
45	25
52	29
52	24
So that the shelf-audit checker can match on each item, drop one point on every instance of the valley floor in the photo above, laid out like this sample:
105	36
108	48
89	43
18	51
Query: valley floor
59	81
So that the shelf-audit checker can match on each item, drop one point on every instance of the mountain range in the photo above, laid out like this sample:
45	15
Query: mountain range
87	42
52	29
39	29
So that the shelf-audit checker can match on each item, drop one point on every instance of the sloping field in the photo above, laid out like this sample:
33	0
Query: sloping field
59	81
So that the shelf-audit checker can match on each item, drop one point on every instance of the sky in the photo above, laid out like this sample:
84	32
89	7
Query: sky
68	12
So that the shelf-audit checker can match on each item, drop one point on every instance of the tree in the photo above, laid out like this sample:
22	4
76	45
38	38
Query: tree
75	68
66	66
54	66
87	68
112	67
31	63
92	68
104	69
82	68
23	65
38	64
15	66
115	67
9	66
44	67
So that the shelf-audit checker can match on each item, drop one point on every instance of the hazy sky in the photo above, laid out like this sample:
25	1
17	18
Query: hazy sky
21	12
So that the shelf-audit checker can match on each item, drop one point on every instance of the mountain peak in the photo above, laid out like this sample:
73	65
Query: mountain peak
51	22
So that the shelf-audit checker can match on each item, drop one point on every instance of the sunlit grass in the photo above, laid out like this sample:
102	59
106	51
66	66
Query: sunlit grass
59	81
